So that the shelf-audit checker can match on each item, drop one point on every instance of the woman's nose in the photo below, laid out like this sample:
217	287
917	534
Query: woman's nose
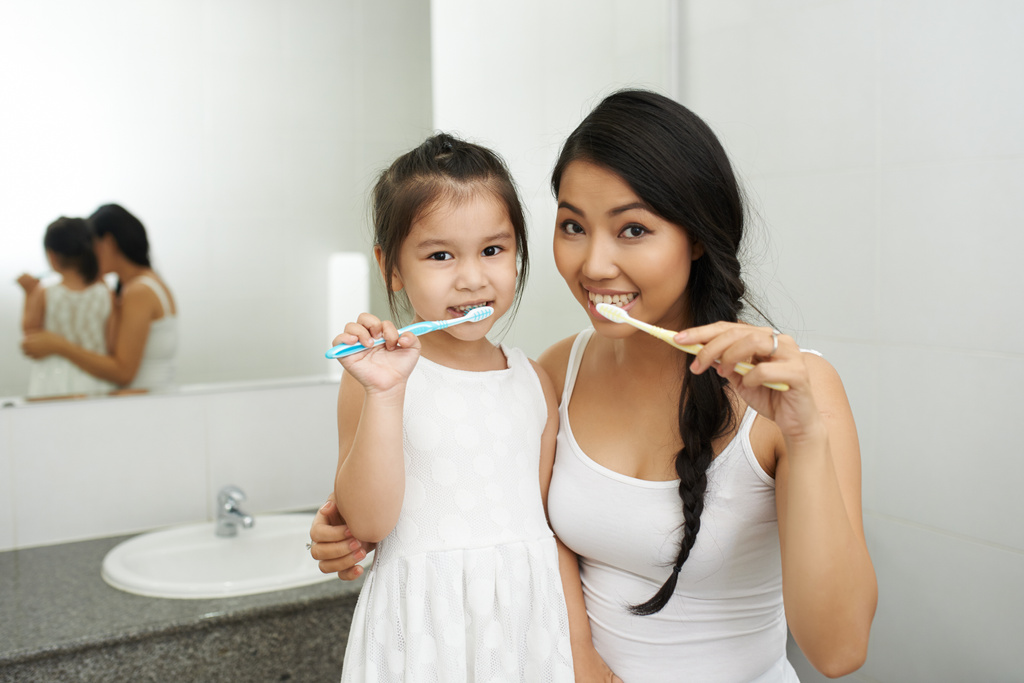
599	260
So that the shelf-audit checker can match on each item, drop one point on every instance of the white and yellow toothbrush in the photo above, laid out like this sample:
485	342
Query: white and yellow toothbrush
617	315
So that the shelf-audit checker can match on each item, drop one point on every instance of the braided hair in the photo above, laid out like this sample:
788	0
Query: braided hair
674	163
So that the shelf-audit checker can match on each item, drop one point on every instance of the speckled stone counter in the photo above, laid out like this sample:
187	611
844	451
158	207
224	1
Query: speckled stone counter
59	621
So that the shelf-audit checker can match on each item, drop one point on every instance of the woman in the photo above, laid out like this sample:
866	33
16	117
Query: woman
145	330
708	512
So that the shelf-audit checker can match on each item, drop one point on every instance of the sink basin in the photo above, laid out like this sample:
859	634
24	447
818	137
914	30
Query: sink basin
192	562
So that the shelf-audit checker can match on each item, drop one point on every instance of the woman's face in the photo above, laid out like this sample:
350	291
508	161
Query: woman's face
105	248
610	247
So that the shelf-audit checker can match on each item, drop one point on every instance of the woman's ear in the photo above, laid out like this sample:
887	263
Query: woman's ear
393	283
696	250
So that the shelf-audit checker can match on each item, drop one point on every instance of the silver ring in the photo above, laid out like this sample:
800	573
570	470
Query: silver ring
775	342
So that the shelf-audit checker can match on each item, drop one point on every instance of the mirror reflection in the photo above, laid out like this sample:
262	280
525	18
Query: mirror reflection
242	135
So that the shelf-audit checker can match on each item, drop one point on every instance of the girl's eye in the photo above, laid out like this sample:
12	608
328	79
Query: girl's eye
571	228
492	251
440	256
634	231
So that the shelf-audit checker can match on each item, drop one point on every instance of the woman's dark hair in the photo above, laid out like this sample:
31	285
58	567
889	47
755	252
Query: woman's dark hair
70	242
127	230
677	166
442	168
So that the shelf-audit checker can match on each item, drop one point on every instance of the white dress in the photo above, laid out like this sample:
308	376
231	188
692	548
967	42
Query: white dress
81	317
466	587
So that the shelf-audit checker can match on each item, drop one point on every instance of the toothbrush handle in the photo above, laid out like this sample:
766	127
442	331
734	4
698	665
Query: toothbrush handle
667	336
342	350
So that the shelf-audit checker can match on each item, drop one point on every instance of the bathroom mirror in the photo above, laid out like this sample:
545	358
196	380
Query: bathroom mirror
244	134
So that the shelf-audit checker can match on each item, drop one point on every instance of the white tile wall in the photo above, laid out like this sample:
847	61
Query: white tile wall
85	469
882	142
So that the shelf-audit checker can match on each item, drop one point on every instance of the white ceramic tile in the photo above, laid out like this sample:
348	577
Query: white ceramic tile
949	442
107	466
949	259
7	505
280	446
949	609
948	80
812	246
799	84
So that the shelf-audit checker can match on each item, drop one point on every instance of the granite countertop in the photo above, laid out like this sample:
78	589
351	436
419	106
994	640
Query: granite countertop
53	600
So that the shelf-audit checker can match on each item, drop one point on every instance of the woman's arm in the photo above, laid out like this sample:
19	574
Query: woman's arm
588	665
829	584
828	581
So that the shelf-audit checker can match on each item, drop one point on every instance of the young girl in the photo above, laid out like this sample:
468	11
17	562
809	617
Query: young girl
446	442
77	308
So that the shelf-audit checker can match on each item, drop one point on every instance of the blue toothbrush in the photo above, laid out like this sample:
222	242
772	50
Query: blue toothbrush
475	315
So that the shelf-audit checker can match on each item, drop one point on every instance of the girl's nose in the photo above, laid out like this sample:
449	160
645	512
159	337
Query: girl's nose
599	260
470	274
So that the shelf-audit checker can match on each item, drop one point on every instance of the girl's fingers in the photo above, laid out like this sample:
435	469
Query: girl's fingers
390	334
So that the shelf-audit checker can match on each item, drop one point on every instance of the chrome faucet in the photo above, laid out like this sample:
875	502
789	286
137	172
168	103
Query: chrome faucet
229	515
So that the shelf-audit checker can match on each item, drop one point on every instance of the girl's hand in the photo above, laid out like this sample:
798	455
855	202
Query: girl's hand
794	411
384	367
334	546
27	282
42	344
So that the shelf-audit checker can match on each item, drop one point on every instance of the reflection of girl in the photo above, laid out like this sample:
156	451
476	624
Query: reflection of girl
442	440
146	328
77	308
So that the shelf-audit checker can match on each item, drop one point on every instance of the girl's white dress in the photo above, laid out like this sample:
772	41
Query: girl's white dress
81	317
466	587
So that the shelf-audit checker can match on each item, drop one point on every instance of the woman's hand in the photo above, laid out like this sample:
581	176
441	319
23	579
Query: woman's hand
776	359
333	545
27	282
42	344
384	367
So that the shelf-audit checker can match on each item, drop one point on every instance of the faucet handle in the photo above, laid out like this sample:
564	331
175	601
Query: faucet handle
230	494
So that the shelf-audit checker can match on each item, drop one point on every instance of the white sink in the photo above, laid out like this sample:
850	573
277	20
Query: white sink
192	562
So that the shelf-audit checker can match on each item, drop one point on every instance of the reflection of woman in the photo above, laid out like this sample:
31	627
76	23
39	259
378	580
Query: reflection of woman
145	317
707	511
77	308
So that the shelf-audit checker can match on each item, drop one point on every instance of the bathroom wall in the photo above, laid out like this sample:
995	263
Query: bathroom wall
74	470
882	146
519	77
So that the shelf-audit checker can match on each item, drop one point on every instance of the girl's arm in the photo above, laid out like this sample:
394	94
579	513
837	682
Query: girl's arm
34	314
370	482
828	581
588	665
138	306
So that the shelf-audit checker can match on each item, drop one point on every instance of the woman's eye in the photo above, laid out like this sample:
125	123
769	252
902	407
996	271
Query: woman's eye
492	251
634	231
440	256
572	228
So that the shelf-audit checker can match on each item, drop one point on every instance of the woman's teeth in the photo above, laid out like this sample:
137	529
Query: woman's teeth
613	299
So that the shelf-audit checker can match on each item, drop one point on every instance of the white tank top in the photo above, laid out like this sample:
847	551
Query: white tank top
158	369
725	621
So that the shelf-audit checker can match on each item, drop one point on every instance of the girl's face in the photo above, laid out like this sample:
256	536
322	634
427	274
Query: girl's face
458	257
611	248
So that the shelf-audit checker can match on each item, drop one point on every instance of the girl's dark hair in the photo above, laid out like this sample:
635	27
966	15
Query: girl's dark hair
71	243
442	168
127	230
675	164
